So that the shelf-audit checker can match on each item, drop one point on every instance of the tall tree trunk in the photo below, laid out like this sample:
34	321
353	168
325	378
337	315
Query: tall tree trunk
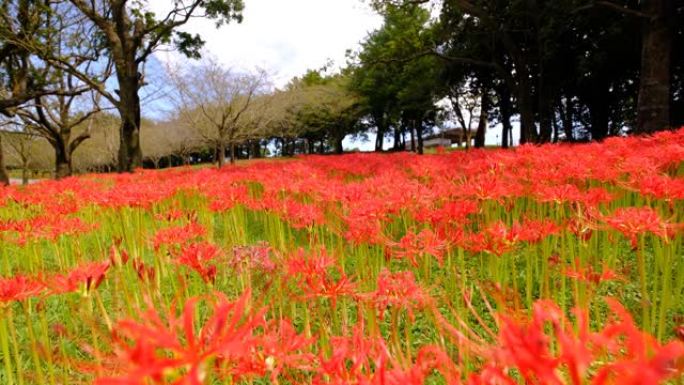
379	141
233	153
338	145
62	161
419	136
4	178
653	102
598	114
280	142
481	133
413	138
567	114
130	152
520	85
397	139
506	110
25	173
221	154
556	129
256	149
528	129
545	112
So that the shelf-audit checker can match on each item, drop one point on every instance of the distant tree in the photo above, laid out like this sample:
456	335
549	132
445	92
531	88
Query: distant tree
165	140
55	117
127	32
223	105
100	152
21	74
22	145
569	69
327	109
398	84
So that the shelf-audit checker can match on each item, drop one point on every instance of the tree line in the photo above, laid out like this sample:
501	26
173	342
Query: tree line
561	70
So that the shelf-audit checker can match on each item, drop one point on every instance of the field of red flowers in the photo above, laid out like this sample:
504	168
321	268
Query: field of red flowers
540	265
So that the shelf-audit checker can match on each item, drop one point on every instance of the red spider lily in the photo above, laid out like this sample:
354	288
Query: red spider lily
170	215
450	213
456	212
90	275
635	221
364	222
280	348
352	359
558	193
495	239
62	205
145	273
117	256
325	286
588	274
301	215
413	246
527	347
223	199
312	275
429	359
641	359
316	263
159	349
178	235
198	256
398	290
660	187
595	196
490	187
533	231
584	223
131	193
19	288
618	354
46	227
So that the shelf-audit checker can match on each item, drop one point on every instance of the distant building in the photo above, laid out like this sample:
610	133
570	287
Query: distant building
445	138
436	142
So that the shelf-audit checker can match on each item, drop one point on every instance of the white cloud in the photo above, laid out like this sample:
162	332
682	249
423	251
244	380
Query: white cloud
284	37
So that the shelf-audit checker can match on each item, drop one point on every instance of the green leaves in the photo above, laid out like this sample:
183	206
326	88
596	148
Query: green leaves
224	10
189	45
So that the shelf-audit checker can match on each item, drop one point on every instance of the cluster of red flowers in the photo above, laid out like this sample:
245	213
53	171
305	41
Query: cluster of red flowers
83	278
351	257
236	343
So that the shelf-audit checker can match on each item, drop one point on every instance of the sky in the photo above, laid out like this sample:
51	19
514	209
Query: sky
284	37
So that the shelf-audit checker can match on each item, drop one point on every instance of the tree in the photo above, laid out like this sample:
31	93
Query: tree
21	74
398	85
130	33
655	97
54	118
100	152
327	109
223	105
23	147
